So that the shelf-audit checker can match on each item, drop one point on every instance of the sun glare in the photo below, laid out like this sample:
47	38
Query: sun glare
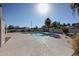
43	8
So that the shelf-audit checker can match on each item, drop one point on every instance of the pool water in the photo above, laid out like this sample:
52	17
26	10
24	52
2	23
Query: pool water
39	33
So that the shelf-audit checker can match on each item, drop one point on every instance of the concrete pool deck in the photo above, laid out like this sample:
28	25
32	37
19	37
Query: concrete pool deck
29	45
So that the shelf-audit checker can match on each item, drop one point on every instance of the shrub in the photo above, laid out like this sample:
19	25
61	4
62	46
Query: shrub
76	44
65	30
22	30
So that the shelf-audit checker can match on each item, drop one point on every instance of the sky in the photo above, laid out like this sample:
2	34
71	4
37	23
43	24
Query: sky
26	14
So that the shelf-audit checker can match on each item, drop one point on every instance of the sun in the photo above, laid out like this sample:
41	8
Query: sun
43	8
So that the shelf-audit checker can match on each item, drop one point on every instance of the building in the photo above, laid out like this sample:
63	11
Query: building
76	25
2	28
60	31
73	30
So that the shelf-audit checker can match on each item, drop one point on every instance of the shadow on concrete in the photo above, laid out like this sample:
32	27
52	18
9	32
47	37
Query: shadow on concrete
7	38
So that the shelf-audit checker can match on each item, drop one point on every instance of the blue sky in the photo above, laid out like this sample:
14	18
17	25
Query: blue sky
22	14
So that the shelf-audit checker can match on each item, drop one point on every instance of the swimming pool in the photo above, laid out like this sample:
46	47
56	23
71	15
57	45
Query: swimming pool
41	34
38	33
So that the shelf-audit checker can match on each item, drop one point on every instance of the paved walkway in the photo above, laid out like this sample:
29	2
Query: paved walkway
29	45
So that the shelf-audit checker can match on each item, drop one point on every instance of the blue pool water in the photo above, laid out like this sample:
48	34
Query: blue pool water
41	34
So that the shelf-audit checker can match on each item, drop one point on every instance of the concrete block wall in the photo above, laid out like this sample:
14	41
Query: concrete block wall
2	28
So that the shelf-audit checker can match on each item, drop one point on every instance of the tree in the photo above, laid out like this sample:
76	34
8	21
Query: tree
54	24
68	24
36	27
75	7
10	27
0	5
16	27
48	23
58	25
43	28
64	24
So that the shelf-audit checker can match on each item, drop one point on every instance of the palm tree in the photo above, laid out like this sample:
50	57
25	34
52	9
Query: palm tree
75	7
48	23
